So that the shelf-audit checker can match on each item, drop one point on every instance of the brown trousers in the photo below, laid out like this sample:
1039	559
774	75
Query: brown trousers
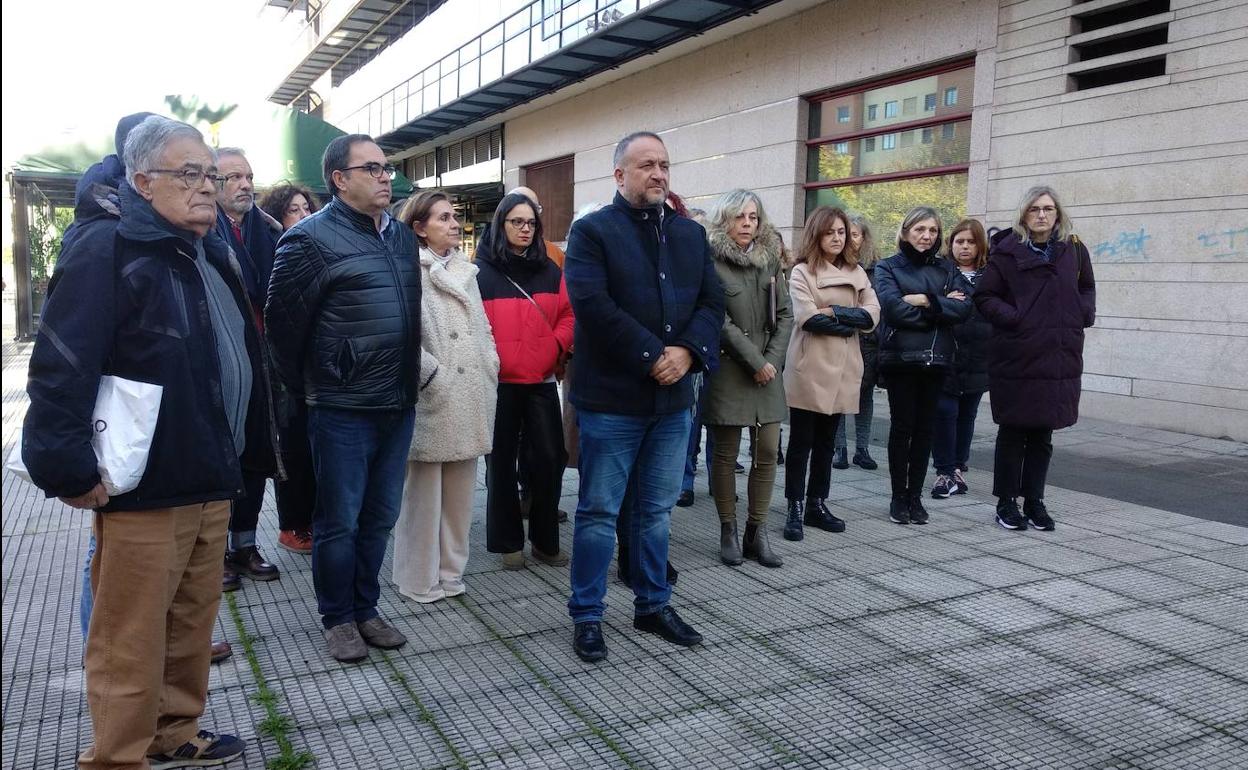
156	577
727	442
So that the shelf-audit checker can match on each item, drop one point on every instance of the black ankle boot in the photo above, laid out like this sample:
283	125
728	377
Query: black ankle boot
793	524
819	517
862	458
840	458
756	546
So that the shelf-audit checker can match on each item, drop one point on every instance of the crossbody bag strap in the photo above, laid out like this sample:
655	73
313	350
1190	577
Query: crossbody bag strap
529	297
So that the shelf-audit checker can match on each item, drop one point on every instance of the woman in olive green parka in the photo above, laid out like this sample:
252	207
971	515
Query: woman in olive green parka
747	390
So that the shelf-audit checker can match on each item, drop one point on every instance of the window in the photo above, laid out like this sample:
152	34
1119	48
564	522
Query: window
842	114
878	165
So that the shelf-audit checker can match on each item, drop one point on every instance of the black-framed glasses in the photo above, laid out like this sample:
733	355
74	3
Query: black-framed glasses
375	170
236	176
522	224
191	177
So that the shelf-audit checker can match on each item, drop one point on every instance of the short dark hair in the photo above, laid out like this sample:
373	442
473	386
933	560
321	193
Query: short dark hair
336	155
622	147
279	196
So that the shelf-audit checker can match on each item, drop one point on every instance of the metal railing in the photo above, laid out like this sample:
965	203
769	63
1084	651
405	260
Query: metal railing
528	35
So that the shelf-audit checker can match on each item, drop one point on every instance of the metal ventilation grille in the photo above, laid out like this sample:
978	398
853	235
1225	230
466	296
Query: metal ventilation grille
1118	44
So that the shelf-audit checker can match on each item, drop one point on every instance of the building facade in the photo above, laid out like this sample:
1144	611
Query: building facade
1135	110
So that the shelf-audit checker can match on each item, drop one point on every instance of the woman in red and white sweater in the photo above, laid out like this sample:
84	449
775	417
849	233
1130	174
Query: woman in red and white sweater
527	304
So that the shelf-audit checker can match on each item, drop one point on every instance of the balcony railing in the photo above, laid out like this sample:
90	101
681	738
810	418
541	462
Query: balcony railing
539	29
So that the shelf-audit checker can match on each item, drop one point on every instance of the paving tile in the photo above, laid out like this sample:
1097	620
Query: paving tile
917	630
1004	668
1236	556
1073	597
1000	612
925	584
862	560
847	598
1110	719
1212	698
1210	752
1231	660
1201	572
575	754
995	571
711	735
1121	549
1227	612
831	649
1142	585
1091	649
1168	631
1064	560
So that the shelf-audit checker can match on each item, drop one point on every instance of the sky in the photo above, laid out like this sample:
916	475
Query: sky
71	68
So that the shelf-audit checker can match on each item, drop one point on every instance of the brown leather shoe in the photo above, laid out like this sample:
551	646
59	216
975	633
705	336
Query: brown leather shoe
221	651
230	581
249	563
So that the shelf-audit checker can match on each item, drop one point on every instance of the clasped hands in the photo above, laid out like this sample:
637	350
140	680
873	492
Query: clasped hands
672	365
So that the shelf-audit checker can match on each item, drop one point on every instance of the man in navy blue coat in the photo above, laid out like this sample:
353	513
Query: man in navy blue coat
649	308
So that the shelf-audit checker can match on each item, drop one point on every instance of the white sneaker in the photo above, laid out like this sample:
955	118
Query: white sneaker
429	597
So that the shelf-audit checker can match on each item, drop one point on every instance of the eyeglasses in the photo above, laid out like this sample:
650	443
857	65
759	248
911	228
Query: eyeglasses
522	224
375	170
191	177
1048	211
232	178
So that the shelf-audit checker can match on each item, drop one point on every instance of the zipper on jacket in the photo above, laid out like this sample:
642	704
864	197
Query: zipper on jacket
398	285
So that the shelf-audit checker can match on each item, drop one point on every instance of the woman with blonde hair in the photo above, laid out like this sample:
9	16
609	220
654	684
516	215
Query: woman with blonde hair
921	298
747	391
455	411
833	302
967	248
1039	294
860	238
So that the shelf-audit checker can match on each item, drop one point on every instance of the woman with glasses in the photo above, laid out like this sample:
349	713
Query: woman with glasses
747	391
527	305
296	495
921	298
455	411
967	248
1039	294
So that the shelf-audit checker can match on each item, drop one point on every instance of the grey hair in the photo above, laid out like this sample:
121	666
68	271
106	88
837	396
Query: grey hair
235	151
1062	227
729	206
621	149
916	215
145	144
868	252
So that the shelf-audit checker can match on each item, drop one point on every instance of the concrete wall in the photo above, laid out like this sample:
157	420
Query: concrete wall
1155	174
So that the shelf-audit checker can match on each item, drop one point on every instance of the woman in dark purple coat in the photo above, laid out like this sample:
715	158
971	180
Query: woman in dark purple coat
1039	294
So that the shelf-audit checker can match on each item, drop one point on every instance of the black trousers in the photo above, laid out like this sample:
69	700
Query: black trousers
534	412
811	438
912	399
296	496
1021	462
245	511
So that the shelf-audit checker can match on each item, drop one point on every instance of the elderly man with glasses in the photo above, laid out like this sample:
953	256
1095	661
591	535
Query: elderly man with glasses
152	295
343	323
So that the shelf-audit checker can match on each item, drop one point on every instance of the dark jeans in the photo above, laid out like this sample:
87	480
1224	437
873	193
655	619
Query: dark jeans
912	397
953	431
1021	463
619	452
361	460
866	404
811	437
296	496
695	437
534	412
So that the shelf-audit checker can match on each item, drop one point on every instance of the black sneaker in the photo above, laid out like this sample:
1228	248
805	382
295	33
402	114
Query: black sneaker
918	514
588	642
1038	515
1008	515
899	510
204	750
944	487
685	499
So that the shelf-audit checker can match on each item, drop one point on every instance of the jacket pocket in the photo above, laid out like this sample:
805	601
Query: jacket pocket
342	365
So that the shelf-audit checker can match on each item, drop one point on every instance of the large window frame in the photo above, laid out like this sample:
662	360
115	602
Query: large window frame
931	122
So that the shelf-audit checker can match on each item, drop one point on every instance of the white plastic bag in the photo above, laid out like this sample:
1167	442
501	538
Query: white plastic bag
123	424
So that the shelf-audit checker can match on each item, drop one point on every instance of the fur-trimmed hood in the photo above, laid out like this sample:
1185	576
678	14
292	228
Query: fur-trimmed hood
764	254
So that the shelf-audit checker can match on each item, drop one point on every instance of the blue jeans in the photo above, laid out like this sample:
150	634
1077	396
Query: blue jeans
615	447
360	460
953	430
87	600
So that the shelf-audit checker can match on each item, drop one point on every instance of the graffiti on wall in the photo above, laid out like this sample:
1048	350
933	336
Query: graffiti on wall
1228	243
1126	246
1216	243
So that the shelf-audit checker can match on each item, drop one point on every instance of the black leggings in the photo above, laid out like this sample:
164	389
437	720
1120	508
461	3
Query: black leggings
1021	464
912	399
811	437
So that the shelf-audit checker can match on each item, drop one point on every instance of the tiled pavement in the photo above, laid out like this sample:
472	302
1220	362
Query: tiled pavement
1118	641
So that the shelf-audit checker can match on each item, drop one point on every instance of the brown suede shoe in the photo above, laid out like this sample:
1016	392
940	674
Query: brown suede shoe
345	644
379	633
221	651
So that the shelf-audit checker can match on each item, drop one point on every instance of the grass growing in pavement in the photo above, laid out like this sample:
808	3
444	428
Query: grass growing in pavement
423	712
275	724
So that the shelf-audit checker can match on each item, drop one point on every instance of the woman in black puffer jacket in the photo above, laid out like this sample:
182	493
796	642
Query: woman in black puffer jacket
921	298
967	249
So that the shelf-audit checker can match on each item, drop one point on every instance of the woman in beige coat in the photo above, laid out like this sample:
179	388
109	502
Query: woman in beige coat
455	412
832	302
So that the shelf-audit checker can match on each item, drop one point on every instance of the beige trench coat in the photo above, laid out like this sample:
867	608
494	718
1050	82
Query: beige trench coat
822	372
